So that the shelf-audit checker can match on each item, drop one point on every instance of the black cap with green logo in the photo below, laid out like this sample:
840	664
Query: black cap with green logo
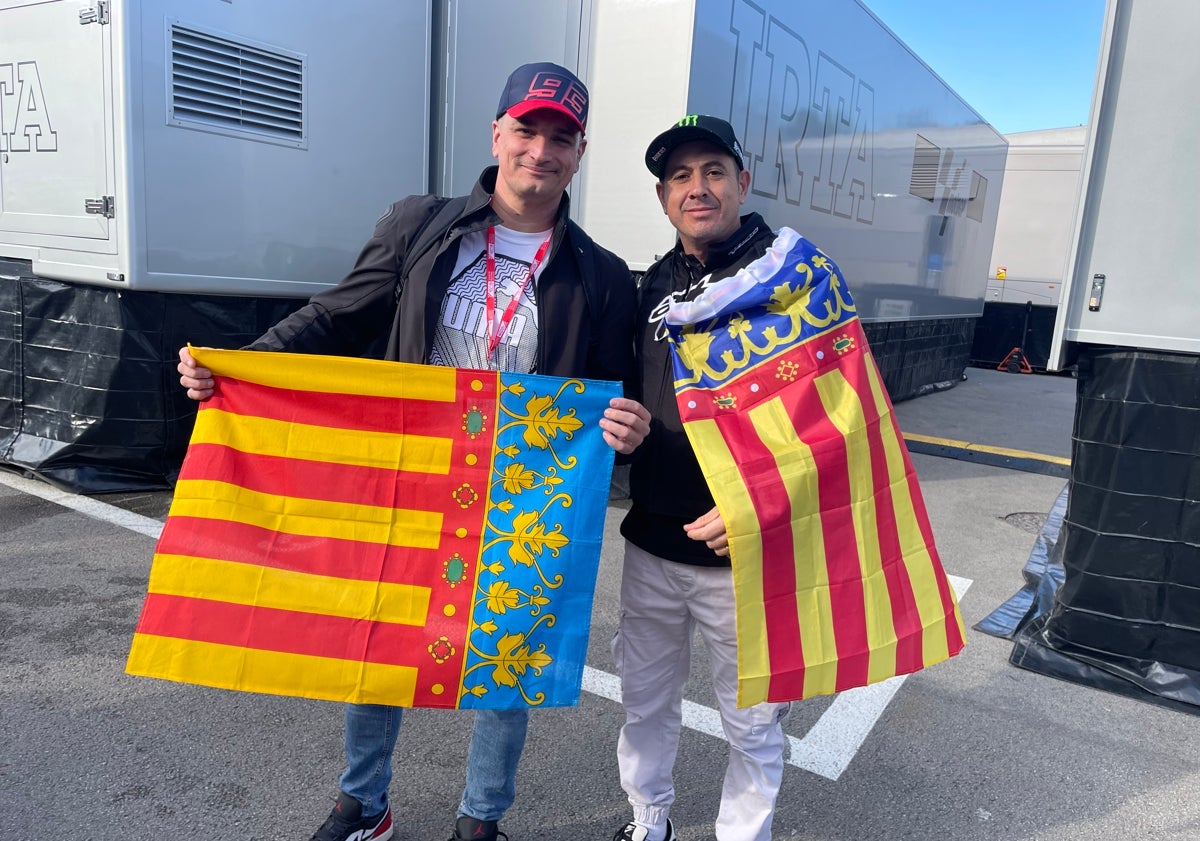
693	127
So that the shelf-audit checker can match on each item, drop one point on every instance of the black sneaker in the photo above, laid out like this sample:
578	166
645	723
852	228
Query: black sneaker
467	828
633	832
346	823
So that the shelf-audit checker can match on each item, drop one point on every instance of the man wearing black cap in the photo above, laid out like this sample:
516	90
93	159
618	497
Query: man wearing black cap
500	279
676	576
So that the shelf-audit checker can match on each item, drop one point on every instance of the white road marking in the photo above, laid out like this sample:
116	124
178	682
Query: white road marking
695	716
832	742
93	508
826	749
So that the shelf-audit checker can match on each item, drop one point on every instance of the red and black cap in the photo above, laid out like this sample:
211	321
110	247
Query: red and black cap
544	85
693	127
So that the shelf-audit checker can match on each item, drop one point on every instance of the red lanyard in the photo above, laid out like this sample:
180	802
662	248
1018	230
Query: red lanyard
496	332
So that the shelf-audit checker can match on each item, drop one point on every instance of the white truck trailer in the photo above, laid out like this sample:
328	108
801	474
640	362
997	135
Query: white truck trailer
1034	226
1037	216
175	171
1126	616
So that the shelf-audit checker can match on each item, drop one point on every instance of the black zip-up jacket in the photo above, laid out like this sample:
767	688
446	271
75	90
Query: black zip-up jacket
665	482
586	297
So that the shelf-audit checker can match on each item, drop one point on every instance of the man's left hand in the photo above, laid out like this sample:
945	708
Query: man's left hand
710	528
626	423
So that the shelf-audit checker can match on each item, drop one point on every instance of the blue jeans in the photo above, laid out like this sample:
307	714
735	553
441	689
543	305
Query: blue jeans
496	744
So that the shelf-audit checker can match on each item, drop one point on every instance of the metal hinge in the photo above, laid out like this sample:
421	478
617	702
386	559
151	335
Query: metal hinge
95	14
104	206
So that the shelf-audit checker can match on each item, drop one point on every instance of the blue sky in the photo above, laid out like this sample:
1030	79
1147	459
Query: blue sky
1022	64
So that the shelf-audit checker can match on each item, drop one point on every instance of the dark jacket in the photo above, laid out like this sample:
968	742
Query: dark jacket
586	297
665	482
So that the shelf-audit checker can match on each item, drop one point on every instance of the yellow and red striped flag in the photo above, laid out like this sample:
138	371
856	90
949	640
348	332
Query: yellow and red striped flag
838	583
378	532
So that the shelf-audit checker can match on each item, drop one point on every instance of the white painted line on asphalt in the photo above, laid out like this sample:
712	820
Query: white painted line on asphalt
826	749
93	508
829	745
832	742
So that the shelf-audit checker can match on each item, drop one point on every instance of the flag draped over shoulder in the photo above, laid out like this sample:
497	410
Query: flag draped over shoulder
838	583
378	532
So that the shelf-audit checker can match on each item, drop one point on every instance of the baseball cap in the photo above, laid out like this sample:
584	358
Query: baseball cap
544	85
692	127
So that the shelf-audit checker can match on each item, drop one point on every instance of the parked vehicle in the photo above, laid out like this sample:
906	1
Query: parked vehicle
1124	619
175	171
1037	216
1033	242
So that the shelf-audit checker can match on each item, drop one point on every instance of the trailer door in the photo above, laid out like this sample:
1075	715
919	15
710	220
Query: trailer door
55	120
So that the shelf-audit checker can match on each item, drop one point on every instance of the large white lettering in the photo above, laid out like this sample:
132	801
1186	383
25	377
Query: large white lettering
832	102
24	119
805	142
772	85
855	197
8	92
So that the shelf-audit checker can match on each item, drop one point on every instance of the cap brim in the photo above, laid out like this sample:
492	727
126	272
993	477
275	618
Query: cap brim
530	105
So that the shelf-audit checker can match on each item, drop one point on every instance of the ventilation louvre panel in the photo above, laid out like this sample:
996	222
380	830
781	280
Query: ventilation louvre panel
927	159
235	87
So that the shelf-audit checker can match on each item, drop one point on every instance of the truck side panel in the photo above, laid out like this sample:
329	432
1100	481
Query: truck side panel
1132	276
1124	618
234	148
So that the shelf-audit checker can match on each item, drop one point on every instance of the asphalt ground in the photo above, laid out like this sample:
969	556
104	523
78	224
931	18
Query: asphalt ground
973	748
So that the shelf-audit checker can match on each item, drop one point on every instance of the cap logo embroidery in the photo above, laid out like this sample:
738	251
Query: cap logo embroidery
554	87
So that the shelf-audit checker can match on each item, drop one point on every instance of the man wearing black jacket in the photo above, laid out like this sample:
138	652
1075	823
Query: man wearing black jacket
499	279
676	576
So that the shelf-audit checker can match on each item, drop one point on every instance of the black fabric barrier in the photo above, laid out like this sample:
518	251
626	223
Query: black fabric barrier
1127	616
1003	327
89	396
90	399
920	356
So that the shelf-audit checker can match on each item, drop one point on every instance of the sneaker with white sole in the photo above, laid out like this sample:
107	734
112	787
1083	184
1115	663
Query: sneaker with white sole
633	832
346	823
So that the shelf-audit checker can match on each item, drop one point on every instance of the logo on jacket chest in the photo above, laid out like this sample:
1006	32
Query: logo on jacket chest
659	313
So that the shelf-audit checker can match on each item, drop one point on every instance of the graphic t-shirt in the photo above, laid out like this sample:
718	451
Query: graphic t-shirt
461	337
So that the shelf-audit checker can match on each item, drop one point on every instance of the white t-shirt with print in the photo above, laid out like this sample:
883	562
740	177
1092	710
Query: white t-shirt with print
461	337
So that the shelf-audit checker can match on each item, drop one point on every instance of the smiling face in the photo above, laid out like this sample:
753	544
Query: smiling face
701	192
538	154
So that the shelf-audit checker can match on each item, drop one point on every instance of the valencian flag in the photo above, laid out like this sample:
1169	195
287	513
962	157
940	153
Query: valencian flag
837	580
378	532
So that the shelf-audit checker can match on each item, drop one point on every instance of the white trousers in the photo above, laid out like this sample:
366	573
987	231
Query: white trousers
662	605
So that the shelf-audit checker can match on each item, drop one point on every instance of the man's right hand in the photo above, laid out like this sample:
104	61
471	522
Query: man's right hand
198	381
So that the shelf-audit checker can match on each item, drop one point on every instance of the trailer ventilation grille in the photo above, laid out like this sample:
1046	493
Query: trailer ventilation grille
222	85
927	161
